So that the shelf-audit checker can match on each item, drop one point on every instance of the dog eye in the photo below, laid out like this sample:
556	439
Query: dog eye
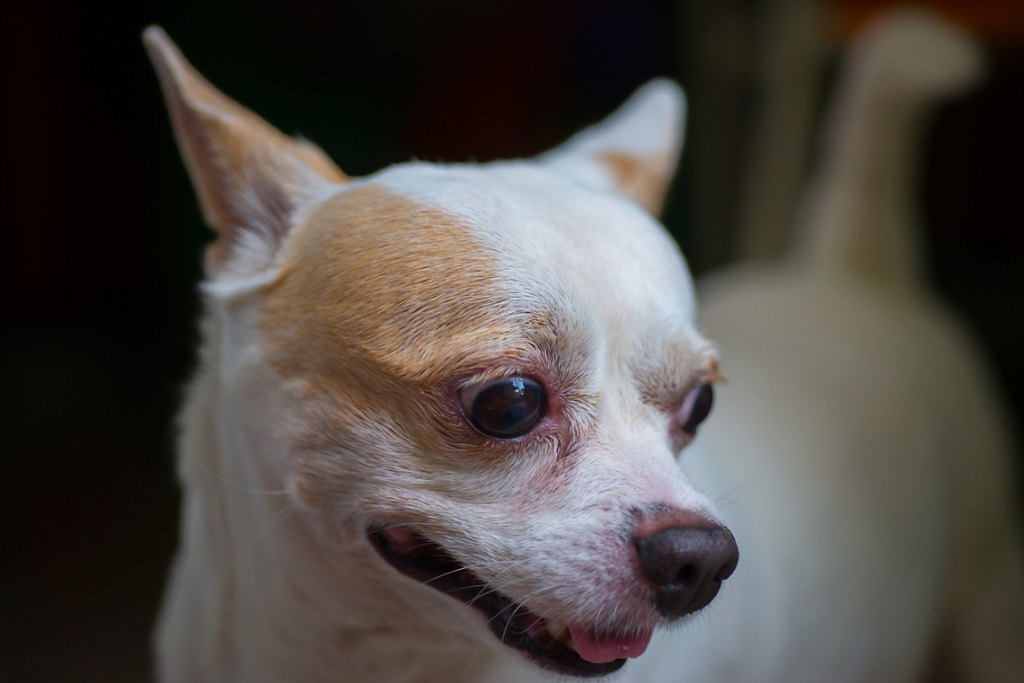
695	409
504	408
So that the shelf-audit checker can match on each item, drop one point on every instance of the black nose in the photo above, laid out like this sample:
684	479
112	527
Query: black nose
687	565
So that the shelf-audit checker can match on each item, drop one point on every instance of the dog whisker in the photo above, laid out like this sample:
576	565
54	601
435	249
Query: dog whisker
482	593
235	485
279	518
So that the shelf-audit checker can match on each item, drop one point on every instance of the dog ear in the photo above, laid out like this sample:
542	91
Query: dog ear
250	178
634	151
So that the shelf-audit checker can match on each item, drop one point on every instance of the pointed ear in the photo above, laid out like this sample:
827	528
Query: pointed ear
634	151
250	178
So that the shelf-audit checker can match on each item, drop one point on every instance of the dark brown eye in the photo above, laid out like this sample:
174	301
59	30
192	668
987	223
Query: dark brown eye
504	408
695	409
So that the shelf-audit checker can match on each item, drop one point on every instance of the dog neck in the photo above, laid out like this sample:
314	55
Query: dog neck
254	596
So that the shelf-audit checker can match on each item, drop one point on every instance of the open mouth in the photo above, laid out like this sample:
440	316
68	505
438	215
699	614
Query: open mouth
564	649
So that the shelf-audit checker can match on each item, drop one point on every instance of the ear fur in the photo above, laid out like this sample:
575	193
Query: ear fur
634	151
249	177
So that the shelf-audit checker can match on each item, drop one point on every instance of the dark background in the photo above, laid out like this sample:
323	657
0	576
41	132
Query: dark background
102	236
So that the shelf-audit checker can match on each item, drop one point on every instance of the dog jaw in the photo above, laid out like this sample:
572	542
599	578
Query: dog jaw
346	318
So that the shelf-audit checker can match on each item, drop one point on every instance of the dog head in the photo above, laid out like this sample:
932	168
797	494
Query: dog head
479	377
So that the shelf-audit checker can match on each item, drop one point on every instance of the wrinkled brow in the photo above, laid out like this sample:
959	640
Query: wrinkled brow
665	371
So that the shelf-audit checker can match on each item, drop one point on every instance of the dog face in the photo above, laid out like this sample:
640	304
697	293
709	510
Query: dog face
480	377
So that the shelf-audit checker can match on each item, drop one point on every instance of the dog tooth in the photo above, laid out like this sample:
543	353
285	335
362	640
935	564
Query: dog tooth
555	629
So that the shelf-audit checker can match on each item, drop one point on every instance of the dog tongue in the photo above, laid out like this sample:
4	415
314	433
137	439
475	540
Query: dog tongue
600	647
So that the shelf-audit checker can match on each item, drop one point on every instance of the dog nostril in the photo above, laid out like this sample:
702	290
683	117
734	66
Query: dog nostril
687	566
687	574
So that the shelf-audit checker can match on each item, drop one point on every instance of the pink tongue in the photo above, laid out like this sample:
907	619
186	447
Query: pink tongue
599	647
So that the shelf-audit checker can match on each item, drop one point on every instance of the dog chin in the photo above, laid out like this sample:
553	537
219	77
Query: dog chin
560	648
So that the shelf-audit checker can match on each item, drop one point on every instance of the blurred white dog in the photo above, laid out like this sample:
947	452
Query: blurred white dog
860	455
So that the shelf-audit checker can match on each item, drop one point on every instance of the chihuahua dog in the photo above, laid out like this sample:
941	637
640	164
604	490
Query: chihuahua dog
437	427
435	430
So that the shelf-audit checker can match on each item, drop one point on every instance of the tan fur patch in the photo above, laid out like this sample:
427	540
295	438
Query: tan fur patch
643	178
375	277
379	304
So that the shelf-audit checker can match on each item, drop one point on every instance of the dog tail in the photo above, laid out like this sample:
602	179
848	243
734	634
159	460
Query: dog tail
858	212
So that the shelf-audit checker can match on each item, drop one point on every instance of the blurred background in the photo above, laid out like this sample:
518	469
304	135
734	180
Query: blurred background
102	236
